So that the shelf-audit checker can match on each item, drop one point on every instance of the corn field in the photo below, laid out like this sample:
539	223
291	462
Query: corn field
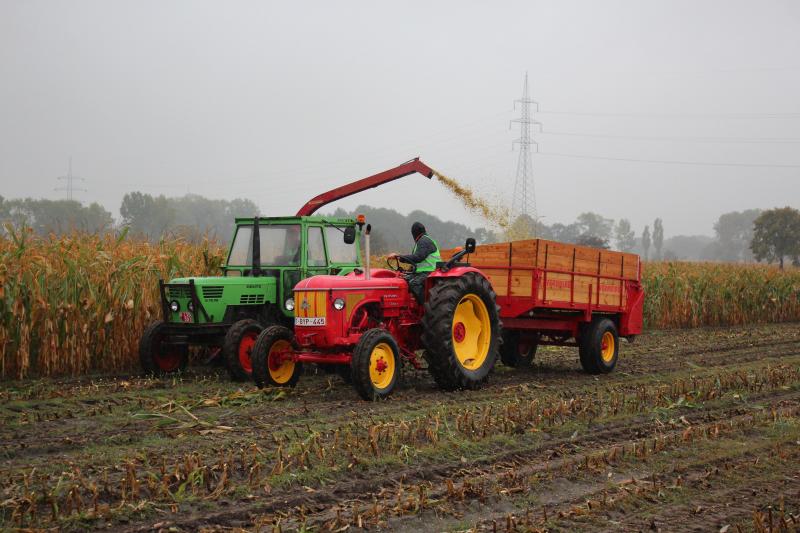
79	303
687	295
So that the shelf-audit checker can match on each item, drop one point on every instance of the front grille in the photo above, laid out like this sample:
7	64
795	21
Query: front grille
251	299
212	292
178	291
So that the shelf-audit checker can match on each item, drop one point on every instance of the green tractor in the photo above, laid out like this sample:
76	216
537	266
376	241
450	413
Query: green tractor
267	258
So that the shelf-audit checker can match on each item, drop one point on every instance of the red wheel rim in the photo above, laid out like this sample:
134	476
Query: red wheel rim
459	332
245	349
167	358
523	349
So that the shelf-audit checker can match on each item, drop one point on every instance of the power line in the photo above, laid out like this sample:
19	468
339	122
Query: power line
675	115
70	182
754	140
672	161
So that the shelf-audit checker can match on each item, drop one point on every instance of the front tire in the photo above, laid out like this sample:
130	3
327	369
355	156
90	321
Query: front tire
268	367
461	332
375	365
599	346
156	356
238	347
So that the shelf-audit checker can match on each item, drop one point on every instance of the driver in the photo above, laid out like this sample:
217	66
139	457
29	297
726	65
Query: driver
425	255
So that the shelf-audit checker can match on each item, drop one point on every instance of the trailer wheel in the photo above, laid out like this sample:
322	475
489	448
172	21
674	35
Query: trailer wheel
517	353
268	368
461	332
599	347
239	342
375	364
157	357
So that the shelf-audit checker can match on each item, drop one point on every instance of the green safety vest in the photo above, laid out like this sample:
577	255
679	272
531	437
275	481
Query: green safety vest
429	263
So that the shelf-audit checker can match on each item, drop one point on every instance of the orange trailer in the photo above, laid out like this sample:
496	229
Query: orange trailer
553	293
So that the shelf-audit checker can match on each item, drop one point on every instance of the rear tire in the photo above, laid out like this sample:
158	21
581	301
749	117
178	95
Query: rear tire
267	370
238	346
461	332
375	365
516	354
157	357
599	346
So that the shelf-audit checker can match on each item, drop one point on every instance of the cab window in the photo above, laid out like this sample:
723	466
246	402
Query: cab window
338	251
316	248
280	245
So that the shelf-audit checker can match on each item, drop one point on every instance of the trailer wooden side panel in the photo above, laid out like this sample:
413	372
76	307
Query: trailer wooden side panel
557	274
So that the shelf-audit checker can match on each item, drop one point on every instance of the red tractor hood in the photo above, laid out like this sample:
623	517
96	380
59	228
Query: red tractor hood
381	278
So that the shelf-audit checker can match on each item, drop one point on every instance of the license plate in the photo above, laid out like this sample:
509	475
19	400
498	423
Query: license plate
309	321
186	316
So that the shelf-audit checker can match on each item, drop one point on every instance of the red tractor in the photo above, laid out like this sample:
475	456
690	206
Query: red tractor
368	323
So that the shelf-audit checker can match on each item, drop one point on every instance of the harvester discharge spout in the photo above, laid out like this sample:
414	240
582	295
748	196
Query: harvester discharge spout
407	168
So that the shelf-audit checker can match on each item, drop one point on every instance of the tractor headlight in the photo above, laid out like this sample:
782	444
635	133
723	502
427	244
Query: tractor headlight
190	305
338	304
174	306
289	304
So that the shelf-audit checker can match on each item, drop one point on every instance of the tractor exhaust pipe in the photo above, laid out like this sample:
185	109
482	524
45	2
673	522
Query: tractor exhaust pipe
366	252
256	267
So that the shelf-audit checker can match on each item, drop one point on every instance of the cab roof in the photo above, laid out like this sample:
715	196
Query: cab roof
294	220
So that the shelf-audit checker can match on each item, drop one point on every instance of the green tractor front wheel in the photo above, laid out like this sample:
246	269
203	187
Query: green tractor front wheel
156	355
238	347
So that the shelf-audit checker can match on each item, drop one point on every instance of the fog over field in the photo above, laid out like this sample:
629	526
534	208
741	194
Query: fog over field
275	102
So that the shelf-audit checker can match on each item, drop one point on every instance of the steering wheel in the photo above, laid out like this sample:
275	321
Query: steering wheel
396	266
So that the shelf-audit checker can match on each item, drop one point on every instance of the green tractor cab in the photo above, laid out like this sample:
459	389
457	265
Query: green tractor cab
267	258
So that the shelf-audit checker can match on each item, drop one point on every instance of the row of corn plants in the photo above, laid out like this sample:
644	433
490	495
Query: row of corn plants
79	303
688	295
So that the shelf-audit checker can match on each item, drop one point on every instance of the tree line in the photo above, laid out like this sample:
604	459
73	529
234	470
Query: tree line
739	236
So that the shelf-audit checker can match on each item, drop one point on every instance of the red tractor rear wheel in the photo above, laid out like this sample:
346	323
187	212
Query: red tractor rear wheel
375	364
269	365
157	356
461	331
239	342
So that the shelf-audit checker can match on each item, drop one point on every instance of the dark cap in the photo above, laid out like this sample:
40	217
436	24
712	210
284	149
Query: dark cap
417	229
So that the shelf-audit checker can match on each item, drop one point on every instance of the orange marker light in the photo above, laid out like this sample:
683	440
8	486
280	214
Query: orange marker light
361	219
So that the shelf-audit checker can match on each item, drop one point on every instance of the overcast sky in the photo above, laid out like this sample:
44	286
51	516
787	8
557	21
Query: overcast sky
277	102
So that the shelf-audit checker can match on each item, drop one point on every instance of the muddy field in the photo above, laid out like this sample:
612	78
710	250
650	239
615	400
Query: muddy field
697	430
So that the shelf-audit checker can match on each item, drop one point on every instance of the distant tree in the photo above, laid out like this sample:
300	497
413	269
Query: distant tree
625	236
190	216
595	225
56	216
523	227
669	255
592	240
734	233
646	242
658	237
484	236
776	235
565	233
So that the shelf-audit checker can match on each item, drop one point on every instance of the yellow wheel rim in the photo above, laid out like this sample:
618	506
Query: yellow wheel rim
280	371
607	347
472	332
381	366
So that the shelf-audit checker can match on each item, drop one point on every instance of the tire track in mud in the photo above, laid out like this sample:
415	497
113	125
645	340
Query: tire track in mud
550	456
61	437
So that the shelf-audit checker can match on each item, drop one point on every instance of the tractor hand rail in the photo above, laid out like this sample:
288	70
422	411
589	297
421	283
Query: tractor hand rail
407	168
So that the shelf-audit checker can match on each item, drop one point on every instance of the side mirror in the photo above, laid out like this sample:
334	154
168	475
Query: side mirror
470	246
349	235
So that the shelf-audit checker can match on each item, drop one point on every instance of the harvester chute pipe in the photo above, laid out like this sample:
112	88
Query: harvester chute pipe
367	274
407	168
